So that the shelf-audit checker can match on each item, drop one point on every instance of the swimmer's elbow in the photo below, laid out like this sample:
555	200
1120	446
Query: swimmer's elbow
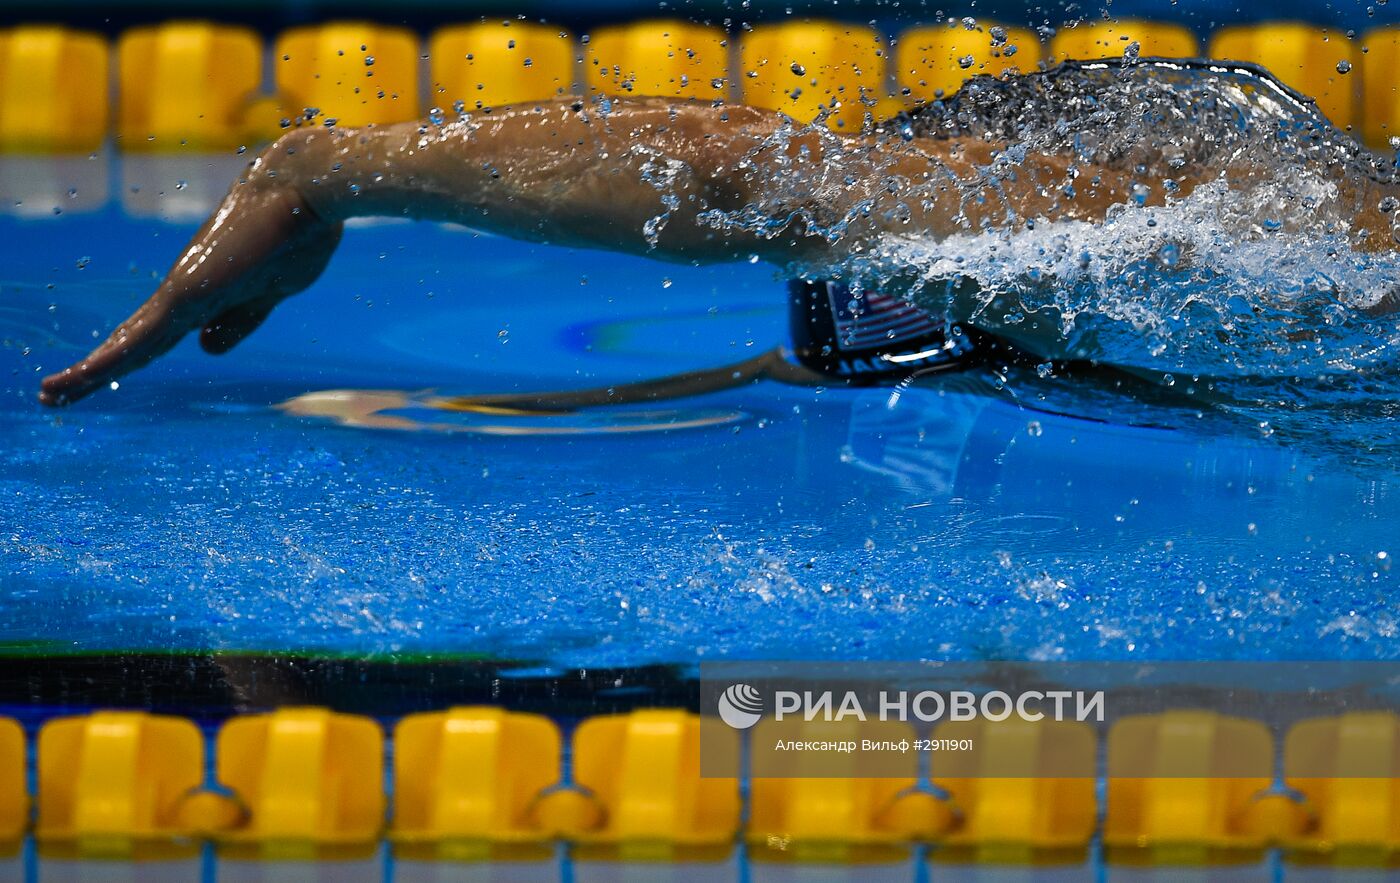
286	156
325	175
296	161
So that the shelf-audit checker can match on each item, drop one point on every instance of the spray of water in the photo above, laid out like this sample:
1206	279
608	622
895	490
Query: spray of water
1256	241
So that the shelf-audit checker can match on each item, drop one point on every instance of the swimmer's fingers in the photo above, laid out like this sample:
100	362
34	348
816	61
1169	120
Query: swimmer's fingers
227	330
151	331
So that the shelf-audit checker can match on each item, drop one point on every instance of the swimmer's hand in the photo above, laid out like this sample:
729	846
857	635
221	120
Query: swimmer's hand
264	244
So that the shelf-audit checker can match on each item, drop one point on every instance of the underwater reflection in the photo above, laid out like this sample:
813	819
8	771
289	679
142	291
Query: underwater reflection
49	186
180	188
427	412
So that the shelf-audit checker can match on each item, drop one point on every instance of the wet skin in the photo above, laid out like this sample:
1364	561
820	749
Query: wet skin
565	172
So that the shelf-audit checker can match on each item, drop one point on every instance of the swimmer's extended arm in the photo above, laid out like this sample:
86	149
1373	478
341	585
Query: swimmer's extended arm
682	181
637	179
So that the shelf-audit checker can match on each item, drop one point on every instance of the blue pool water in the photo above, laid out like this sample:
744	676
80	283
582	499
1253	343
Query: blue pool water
966	517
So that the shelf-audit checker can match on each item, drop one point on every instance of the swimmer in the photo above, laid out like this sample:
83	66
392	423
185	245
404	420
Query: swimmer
702	182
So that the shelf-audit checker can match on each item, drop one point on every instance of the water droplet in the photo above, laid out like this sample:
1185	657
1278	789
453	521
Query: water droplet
369	61
798	69
666	282
181	184
1343	67
966	62
1034	429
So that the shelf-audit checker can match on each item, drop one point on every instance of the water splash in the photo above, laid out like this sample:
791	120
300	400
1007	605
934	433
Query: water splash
1179	289
1254	241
